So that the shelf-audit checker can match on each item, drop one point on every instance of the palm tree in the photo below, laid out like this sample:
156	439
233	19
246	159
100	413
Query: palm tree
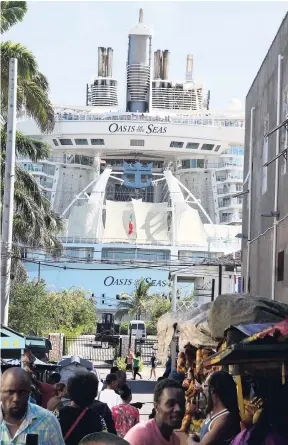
33	87
12	13
135	304
40	225
35	223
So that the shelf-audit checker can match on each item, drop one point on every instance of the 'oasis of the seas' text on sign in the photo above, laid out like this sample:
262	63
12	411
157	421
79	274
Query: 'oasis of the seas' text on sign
146	129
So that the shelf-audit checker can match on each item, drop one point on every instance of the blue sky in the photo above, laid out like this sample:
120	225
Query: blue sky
228	40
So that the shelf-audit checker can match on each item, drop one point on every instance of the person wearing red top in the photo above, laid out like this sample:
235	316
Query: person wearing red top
47	389
124	415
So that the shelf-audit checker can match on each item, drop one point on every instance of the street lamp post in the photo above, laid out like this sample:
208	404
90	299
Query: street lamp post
8	201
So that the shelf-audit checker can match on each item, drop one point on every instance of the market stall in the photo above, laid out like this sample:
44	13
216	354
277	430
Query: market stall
264	352
12	344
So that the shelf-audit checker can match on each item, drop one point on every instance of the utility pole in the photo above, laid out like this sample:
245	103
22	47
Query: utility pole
8	201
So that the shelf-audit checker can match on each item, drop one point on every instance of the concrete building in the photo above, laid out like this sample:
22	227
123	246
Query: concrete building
265	207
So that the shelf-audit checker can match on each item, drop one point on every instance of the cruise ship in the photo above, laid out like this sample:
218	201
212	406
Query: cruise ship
143	189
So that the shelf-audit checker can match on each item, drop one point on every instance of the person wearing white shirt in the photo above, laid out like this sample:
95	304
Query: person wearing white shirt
109	396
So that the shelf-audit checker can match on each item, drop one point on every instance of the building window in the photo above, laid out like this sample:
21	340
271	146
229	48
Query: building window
97	141
193	145
280	266
66	141
81	141
136	143
207	147
55	142
176	144
217	148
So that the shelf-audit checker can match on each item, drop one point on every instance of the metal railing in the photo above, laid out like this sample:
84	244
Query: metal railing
187	120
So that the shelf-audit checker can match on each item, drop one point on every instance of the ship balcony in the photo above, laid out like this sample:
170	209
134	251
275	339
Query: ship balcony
231	218
229	166
229	203
227	190
45	184
230	178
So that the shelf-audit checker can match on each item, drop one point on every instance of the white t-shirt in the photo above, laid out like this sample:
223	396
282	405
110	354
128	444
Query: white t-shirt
110	397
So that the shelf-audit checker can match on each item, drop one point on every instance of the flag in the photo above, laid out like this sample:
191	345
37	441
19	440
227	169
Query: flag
130	227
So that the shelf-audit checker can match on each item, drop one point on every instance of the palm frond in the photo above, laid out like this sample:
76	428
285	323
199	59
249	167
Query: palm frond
41	81
11	13
27	63
35	223
37	104
26	146
32	88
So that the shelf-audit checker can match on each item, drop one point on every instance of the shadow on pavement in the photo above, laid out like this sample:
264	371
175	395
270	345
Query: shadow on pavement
141	386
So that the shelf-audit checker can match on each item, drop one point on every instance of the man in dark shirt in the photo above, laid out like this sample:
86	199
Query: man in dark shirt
103	410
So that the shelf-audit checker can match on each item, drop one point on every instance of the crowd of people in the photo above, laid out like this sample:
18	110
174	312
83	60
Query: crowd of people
111	418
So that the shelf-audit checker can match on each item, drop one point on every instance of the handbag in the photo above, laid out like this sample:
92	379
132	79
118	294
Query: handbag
71	429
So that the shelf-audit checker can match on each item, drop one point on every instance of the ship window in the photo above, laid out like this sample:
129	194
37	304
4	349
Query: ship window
97	141
207	147
195	256
139	254
136	143
217	148
81	141
66	142
193	145
176	144
186	163
55	142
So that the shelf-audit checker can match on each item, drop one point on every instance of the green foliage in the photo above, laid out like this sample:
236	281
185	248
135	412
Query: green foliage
124	326
141	366
137	303
68	311
34	223
120	363
73	313
11	13
151	328
159	307
28	308
32	86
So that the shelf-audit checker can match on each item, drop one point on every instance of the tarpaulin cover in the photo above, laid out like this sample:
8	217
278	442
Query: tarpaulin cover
251	329
191	327
233	310
277	330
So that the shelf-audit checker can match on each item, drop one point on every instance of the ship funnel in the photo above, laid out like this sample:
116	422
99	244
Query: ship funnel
141	16
165	64
189	68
